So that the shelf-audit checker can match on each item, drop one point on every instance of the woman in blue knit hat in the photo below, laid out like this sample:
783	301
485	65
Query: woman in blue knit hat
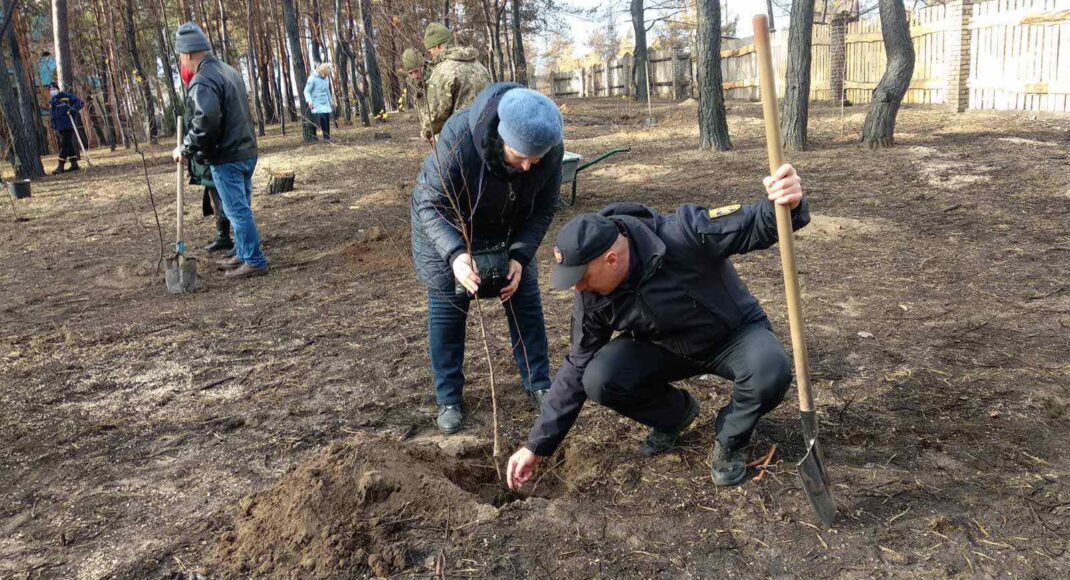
482	204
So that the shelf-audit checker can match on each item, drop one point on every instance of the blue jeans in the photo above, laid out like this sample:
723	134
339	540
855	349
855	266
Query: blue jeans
235	184
447	314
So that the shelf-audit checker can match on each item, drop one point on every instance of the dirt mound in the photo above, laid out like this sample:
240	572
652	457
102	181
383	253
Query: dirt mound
368	505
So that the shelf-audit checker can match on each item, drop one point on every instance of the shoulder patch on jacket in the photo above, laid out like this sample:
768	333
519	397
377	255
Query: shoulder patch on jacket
725	210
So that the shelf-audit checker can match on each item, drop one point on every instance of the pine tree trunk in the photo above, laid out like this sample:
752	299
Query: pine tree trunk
392	69
290	15
488	28
166	54
317	48
250	33
498	53
184	13
142	79
224	33
342	56
62	40
357	76
102	72
286	79
769	14
446	9
518	46
796	103
263	44
640	53
371	60
111	56
25	87
22	139
712	119
879	128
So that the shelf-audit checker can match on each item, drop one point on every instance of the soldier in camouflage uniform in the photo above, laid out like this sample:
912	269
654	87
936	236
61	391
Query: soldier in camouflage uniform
456	78
413	68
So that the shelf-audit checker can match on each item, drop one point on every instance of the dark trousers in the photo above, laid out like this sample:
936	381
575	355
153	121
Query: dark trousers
222	224
633	377
447	315
325	124
68	146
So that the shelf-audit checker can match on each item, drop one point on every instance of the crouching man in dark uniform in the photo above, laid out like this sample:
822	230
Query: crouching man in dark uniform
665	283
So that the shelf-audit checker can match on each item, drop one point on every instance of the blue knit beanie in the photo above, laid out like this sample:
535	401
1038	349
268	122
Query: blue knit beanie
529	122
189	38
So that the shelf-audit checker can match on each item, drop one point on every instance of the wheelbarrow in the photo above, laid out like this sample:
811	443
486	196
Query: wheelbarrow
571	168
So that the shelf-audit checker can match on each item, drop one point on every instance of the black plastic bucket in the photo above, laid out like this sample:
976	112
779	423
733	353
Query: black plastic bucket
19	189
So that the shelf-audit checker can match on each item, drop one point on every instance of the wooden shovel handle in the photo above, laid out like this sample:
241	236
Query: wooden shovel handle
783	214
180	184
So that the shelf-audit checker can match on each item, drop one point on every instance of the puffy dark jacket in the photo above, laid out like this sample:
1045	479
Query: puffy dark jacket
220	127
465	178
685	297
62	107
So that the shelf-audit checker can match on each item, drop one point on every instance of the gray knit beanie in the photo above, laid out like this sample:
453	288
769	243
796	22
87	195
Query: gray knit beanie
529	122
189	38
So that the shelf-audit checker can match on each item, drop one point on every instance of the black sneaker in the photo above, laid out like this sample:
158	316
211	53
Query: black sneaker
661	441
729	467
537	397
450	418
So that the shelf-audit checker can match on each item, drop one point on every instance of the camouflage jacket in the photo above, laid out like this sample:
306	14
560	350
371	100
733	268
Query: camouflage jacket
456	79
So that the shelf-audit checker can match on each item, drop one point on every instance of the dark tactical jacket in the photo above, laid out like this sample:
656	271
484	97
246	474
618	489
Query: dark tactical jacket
685	296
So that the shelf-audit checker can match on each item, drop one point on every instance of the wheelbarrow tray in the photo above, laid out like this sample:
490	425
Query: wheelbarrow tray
571	168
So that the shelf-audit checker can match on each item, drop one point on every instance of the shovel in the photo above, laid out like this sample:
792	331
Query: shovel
812	467
181	275
78	134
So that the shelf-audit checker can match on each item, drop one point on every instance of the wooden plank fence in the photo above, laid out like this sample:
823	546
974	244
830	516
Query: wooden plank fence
998	54
1020	55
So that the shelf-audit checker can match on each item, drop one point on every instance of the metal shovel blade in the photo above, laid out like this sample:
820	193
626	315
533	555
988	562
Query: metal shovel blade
812	473
181	275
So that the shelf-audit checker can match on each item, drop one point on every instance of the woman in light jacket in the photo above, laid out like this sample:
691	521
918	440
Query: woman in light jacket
318	97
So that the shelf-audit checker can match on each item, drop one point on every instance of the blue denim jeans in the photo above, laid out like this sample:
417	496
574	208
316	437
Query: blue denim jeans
235	184
447	315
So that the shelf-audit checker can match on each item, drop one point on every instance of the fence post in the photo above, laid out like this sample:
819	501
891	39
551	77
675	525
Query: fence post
680	72
626	73
958	54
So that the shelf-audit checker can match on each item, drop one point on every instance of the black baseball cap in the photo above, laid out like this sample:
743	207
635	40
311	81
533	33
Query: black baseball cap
583	239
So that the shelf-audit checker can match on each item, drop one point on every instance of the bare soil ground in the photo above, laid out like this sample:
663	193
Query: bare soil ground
283	426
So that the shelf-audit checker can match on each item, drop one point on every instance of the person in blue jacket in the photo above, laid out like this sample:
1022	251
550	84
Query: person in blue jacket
318	97
487	194
64	108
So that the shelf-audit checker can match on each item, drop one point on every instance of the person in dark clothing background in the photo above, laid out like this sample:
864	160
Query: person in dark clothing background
666	285
64	108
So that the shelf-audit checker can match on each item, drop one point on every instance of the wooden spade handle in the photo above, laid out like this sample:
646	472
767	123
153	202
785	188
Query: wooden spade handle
783	215
181	186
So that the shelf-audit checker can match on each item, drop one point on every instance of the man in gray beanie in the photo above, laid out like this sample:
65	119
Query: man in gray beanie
483	202
220	135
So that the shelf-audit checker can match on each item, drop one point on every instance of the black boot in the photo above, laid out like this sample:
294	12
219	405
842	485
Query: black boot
222	240
59	168
74	165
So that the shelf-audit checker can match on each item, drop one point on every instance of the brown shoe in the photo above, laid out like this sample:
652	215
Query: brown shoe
245	271
229	263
